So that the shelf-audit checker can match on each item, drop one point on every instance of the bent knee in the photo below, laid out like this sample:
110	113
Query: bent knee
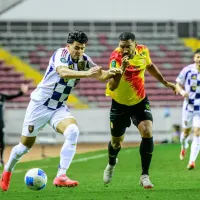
71	133
146	132
117	142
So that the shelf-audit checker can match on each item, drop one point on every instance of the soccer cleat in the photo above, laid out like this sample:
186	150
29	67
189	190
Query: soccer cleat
108	173
191	165
64	181
145	182
5	180
182	154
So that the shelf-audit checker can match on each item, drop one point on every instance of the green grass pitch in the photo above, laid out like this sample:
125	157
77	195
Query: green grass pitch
171	179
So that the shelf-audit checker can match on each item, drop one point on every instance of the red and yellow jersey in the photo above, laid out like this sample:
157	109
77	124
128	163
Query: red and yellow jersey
131	87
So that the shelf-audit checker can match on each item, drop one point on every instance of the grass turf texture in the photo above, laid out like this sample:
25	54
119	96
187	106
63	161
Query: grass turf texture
169	175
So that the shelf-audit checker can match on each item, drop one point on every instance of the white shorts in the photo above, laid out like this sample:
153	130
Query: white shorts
190	119
38	115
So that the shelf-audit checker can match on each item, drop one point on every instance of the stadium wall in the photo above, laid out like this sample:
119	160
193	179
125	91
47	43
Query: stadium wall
94	125
95	10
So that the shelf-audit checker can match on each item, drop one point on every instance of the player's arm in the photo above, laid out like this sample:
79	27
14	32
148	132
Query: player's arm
65	72
155	72
23	90
108	74
181	91
115	80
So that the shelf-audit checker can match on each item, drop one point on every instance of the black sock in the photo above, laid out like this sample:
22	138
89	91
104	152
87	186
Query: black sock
112	153
146	150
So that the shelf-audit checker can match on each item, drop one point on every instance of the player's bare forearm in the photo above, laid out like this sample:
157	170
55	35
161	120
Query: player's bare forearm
114	82
155	72
71	74
179	88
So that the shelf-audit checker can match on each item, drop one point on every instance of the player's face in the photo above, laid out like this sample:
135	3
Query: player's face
197	58
127	47
76	50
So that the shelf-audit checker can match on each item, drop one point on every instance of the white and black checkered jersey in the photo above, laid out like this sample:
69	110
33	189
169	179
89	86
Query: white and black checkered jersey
53	90
189	77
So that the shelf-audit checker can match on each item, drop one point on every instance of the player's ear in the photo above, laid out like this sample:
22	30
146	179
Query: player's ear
135	44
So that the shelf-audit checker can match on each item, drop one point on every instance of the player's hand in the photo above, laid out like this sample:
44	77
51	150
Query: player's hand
184	94
172	86
24	88
125	62
95	71
114	71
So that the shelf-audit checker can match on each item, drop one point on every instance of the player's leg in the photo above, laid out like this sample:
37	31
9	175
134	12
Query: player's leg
119	120
65	124
2	146
184	138
142	119
16	154
36	118
195	146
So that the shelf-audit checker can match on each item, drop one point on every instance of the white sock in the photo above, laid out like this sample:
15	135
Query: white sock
16	153
184	141
195	147
68	149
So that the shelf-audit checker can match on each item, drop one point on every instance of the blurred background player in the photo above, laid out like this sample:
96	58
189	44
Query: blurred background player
3	98
66	67
130	102
188	85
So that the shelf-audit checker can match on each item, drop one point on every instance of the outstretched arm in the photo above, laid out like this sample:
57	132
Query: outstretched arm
108	74
23	90
155	72
64	72
181	91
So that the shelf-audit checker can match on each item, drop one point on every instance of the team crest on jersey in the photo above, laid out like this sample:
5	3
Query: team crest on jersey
63	60
81	65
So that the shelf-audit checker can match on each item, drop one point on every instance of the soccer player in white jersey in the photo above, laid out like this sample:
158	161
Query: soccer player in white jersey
188	85
47	105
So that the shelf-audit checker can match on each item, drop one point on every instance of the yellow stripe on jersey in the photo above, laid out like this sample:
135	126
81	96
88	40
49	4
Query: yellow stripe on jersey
131	87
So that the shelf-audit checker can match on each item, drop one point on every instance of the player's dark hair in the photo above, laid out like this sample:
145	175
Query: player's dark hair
77	36
127	36
197	51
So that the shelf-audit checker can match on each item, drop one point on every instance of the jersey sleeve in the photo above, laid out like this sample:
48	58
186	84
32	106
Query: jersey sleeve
59	58
115	60
181	77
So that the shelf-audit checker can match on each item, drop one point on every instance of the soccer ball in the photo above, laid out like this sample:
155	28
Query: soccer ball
35	179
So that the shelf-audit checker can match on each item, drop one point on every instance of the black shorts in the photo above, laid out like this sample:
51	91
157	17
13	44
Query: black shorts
121	116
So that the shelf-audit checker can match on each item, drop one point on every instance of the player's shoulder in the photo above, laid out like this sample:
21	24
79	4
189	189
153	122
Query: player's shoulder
86	57
116	52
62	51
141	48
189	67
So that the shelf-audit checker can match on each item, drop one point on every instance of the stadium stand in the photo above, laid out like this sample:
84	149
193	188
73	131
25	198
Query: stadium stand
34	46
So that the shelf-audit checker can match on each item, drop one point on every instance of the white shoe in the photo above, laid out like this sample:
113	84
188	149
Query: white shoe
108	172
145	182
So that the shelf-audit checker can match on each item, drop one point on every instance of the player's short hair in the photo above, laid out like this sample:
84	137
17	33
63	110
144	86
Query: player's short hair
78	36
127	36
197	51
